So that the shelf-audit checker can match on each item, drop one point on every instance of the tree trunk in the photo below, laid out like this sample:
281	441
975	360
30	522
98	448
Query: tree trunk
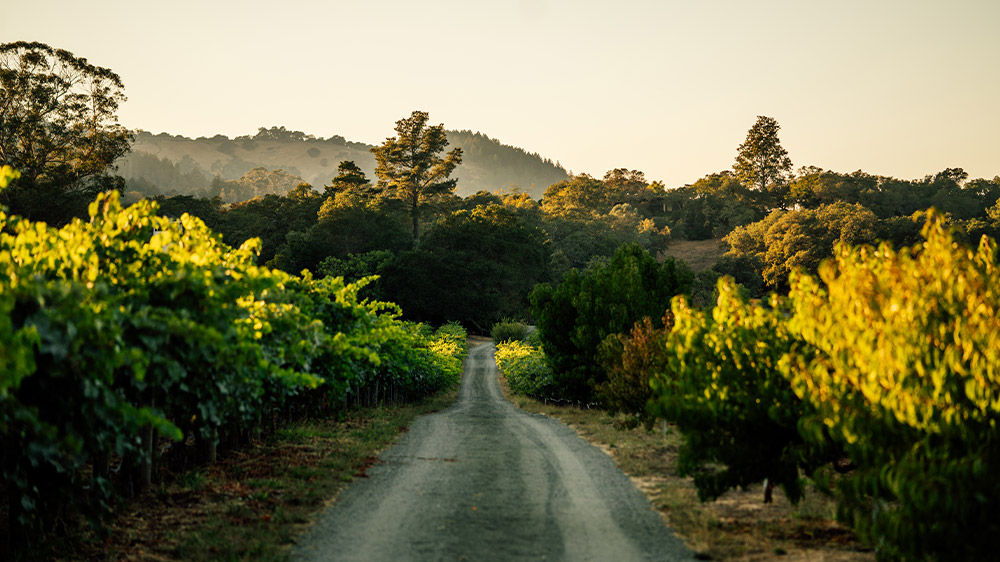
154	459
101	470
208	447
415	213
146	461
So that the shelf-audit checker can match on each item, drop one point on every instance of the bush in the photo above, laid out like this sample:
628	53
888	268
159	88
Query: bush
508	330
131	329
719	382
525	367
414	362
449	343
629	360
588	306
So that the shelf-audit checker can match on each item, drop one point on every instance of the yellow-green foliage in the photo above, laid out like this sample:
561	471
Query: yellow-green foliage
131	321
907	376
722	387
892	357
7	175
525	367
448	343
913	334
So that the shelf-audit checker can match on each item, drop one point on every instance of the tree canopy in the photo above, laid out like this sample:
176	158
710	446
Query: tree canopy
788	240
350	179
409	166
59	127
474	266
608	298
761	162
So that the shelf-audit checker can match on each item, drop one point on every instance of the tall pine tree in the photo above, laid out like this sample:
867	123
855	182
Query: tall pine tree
410	168
762	164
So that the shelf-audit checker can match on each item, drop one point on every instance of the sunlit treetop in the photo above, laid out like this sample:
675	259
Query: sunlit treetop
911	334
58	124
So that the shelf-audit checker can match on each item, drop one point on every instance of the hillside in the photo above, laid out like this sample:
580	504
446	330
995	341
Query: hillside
168	164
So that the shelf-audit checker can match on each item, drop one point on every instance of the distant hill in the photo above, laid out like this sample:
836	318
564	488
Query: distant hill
168	164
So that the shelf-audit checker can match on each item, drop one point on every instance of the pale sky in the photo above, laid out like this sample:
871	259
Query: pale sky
895	87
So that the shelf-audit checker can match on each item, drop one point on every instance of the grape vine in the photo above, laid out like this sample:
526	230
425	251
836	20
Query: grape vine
129	331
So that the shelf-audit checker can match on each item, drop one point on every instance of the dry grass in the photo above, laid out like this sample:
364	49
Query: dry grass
699	254
738	526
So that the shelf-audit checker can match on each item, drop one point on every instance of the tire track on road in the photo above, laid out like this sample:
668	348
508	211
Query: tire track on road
484	480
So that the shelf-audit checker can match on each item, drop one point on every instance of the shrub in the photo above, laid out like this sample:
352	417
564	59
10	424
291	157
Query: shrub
588	306
414	361
508	330
629	360
525	367
449	343
721	385
131	329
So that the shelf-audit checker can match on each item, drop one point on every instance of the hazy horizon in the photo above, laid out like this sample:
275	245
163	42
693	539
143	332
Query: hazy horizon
895	88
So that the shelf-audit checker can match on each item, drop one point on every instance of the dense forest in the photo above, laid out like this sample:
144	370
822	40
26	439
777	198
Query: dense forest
763	235
165	164
845	335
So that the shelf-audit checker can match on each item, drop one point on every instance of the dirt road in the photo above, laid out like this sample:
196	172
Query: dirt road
484	480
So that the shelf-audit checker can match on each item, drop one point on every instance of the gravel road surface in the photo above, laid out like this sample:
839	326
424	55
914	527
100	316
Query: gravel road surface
484	480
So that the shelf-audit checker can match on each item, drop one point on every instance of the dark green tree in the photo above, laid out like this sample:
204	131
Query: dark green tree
522	203
59	127
344	227
354	267
588	306
209	210
350	179
762	164
474	266
477	199
631	184
711	207
410	168
270	218
815	187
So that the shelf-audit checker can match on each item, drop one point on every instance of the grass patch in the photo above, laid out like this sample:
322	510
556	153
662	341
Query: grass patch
253	503
699	254
738	526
